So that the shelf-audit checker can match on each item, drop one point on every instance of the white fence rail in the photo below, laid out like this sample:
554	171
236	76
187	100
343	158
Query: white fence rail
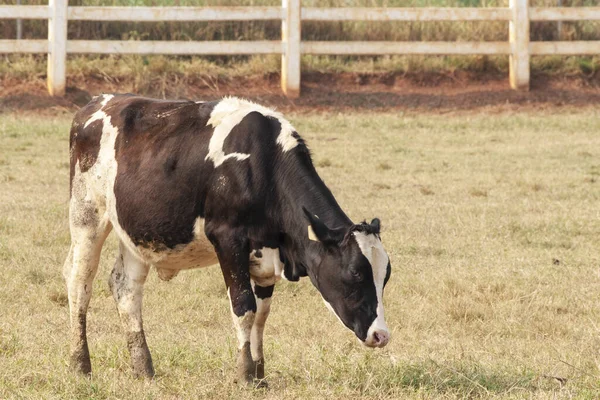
291	13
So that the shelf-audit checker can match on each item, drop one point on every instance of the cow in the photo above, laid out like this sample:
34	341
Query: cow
189	184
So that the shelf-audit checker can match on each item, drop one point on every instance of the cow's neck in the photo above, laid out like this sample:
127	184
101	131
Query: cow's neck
300	186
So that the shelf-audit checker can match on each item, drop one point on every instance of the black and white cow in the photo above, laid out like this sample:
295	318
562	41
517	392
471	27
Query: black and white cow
191	184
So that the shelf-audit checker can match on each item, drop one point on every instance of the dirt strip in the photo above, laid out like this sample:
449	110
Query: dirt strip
435	93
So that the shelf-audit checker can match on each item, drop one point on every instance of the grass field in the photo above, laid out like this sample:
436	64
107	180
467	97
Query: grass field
491	222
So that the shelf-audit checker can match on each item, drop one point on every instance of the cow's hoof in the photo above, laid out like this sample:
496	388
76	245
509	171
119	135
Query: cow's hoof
260	368
141	360
80	362
143	371
244	377
246	367
250	382
142	365
261	384
250	373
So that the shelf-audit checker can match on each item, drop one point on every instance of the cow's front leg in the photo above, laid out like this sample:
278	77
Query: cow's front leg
263	307
243	312
232	249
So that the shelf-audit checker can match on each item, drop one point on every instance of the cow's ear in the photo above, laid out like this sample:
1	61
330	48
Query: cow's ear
376	224
318	231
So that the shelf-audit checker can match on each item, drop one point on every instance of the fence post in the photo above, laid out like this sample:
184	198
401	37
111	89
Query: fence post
19	25
519	44
290	58
57	47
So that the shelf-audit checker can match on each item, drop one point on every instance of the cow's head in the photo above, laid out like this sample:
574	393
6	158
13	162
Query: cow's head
352	271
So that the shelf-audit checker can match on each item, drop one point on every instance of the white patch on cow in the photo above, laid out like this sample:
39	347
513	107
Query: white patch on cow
243	324
372	249
217	140
286	138
100	114
227	114
267	269
312	235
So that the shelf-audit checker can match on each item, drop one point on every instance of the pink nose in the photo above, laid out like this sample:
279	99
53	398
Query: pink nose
378	338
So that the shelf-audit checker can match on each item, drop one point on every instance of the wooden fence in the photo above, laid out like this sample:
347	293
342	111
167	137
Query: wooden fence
291	14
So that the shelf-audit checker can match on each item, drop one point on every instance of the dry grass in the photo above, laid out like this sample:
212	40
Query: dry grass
160	75
494	290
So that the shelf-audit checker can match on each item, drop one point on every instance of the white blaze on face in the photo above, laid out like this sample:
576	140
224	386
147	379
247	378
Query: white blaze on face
227	114
372	249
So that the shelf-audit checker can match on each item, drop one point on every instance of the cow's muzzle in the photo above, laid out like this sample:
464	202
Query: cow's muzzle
377	338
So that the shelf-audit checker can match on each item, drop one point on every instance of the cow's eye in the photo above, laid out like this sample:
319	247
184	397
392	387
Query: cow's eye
356	275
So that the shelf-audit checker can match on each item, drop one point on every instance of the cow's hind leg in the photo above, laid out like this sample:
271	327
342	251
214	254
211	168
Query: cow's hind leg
89	227
126	284
263	307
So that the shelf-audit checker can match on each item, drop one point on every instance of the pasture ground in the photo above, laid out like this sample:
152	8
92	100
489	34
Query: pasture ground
491	221
350	92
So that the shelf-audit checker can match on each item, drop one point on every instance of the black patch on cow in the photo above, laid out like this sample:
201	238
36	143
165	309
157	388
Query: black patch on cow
88	145
281	256
161	174
242	301
388	273
170	165
263	292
